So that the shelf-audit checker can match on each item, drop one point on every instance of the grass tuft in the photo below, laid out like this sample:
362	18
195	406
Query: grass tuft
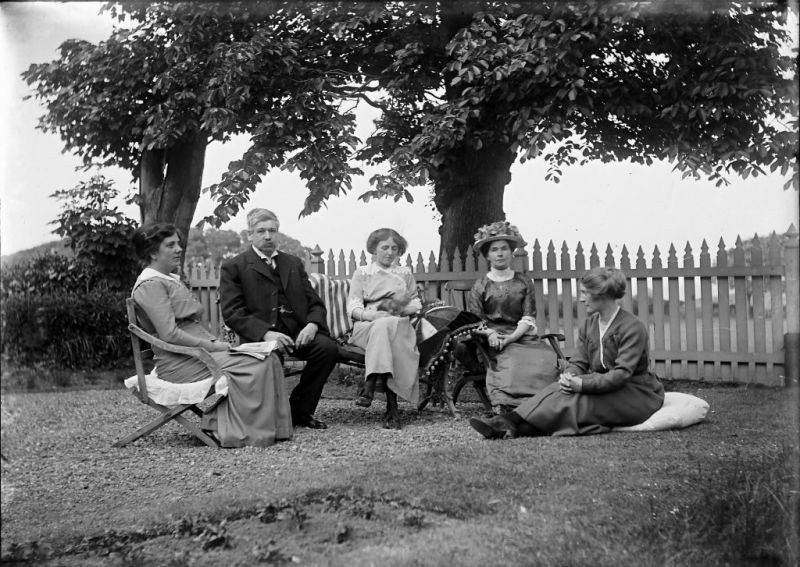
745	512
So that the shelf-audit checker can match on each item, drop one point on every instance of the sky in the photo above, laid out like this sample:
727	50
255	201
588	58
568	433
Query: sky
617	204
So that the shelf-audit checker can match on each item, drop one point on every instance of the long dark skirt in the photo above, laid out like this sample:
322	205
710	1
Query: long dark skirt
553	412
256	410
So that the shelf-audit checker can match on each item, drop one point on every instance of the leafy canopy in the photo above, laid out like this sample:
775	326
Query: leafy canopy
709	89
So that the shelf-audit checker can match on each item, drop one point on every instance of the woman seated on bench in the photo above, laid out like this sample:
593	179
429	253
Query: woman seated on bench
607	383
252	413
518	364
382	296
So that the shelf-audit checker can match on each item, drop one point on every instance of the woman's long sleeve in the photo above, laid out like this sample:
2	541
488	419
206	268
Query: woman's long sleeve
579	362
154	299
355	299
413	293
475	300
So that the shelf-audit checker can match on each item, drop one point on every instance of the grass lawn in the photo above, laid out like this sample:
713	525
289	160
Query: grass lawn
724	492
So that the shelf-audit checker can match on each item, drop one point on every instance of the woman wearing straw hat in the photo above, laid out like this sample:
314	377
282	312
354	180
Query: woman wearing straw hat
518	364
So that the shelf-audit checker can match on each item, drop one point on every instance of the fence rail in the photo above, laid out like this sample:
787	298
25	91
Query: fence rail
729	317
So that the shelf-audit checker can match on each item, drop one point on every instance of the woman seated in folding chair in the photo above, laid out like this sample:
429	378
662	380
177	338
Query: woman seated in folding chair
382	296
518	364
607	383
254	412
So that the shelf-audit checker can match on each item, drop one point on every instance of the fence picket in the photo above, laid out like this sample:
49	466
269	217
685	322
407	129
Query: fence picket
553	325
658	317
538	285
709	370
568	327
351	265
723	293
642	294
457	264
625	266
776	295
741	307
759	313
690	310
594	259
331	267
580	267
677	367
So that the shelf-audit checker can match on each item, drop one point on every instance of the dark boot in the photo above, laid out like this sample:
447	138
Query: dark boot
392	414
367	392
495	427
525	429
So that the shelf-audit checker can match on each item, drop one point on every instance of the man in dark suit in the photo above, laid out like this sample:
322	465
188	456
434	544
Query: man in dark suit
265	295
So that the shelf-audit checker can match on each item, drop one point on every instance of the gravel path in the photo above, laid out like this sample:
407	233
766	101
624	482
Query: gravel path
63	479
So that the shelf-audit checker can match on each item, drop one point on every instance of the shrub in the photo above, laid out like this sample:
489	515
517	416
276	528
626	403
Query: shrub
48	273
98	233
67	329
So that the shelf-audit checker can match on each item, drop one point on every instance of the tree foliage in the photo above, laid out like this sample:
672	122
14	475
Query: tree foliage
97	232
211	246
464	90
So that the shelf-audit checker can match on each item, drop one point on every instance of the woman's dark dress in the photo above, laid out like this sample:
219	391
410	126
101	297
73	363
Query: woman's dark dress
523	368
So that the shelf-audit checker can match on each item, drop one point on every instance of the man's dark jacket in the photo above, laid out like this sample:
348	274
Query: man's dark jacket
249	294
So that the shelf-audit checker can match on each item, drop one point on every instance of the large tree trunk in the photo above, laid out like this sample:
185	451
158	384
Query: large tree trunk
170	183
469	193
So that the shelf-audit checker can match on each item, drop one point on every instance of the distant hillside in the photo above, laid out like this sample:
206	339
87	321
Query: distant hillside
57	246
200	248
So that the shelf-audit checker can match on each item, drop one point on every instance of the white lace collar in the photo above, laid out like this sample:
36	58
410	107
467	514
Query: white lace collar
150	273
500	275
374	268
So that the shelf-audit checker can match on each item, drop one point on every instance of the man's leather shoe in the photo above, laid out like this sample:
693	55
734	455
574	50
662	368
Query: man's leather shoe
312	423
493	428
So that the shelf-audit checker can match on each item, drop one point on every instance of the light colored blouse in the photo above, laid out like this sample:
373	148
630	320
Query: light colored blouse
373	283
171	308
603	328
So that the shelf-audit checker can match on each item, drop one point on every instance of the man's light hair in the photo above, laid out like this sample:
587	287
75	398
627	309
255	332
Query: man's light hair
256	216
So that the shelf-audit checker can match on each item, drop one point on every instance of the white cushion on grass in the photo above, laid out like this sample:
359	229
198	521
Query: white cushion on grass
679	410
171	394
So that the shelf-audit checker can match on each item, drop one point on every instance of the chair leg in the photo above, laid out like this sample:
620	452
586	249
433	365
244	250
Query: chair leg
480	387
438	393
166	416
197	432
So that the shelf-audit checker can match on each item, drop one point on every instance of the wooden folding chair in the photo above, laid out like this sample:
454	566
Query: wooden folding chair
141	342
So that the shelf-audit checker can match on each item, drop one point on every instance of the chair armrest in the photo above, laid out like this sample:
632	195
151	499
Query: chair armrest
557	336
197	352
554	339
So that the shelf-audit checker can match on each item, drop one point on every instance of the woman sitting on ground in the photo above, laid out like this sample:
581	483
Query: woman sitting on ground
382	296
518	364
255	411
607	383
